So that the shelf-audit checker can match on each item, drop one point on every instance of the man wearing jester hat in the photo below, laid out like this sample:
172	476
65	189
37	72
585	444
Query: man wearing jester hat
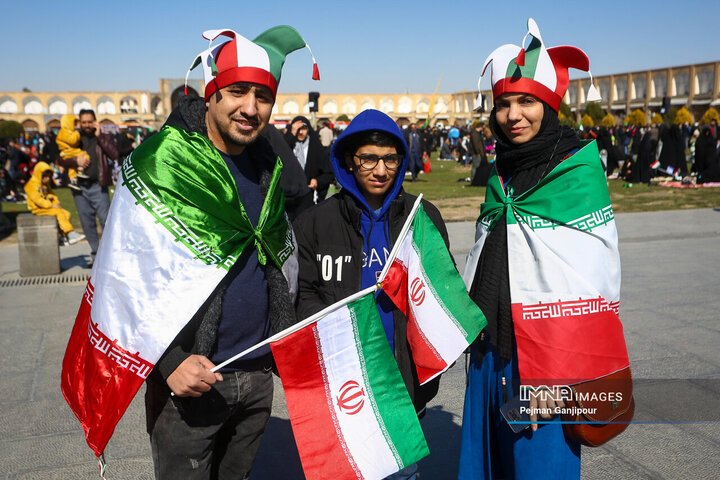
211	425
536	251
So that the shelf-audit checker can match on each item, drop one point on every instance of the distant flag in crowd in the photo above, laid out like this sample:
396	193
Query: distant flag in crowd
655	164
432	104
424	284
350	412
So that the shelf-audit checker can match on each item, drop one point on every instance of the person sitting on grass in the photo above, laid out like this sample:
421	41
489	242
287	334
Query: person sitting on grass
446	151
42	201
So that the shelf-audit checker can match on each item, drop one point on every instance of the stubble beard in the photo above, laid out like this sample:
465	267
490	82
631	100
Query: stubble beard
240	139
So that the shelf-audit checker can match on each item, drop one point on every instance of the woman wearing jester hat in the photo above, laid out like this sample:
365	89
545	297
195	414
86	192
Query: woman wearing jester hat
546	240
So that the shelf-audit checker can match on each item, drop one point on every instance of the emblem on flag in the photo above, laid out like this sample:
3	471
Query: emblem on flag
351	415
442	319
352	397
417	291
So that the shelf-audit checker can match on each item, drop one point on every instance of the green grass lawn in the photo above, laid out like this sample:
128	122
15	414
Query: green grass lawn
458	201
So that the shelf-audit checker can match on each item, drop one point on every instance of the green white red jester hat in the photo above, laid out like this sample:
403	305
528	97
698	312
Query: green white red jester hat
539	71
241	60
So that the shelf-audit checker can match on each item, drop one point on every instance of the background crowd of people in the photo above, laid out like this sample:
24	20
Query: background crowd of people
638	154
690	153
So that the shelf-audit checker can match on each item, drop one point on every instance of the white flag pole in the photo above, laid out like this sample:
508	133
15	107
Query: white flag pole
300	325
400	239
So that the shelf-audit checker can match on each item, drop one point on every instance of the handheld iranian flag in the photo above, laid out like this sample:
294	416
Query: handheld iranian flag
350	412
423	283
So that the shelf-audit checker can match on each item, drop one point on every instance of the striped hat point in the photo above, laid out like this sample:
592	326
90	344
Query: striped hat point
539	71
241	60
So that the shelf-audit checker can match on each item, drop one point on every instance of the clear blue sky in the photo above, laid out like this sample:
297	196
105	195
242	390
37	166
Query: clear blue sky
369	46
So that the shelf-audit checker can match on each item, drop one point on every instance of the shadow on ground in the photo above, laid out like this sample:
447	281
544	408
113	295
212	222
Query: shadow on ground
76	261
278	456
443	438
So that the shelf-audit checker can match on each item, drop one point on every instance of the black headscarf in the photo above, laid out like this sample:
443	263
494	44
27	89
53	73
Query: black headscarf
521	166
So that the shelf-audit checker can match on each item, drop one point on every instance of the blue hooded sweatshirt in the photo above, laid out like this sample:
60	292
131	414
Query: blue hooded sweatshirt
374	224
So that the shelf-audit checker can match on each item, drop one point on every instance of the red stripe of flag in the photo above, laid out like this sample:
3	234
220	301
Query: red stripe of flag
319	444
96	388
427	361
571	348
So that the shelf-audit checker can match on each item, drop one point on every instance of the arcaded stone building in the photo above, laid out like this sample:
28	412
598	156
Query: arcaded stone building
696	87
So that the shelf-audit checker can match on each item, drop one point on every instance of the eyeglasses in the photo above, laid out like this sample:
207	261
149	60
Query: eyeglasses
368	161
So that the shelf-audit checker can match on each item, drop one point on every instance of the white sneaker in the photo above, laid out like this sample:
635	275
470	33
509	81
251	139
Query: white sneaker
74	237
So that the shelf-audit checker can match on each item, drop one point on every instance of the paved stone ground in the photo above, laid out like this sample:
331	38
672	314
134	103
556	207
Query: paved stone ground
671	280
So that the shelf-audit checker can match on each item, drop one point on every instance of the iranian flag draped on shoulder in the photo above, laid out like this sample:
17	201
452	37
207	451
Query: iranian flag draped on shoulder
423	283
175	228
564	269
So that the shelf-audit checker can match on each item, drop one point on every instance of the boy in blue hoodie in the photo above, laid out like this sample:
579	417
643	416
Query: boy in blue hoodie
344	242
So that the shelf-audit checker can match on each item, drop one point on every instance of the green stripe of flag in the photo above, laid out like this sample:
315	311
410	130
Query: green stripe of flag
443	280
571	191
388	395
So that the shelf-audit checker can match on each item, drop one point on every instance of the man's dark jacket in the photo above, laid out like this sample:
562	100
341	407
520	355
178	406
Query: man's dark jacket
105	150
333	228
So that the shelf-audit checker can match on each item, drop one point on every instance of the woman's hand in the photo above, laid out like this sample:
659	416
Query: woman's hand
545	407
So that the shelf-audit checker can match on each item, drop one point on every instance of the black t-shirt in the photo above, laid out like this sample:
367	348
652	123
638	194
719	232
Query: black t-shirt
89	144
244	321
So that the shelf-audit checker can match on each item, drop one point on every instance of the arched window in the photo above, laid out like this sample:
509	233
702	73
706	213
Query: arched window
404	105
422	105
32	105
441	105
330	106
367	104
705	80
640	85
621	89
682	83
349	106
128	105
387	105
57	106
8	105
604	89
573	93
105	106
291	106
30	125
81	103
660	85
156	105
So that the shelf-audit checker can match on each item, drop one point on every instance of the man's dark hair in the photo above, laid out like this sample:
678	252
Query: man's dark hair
372	137
47	173
87	111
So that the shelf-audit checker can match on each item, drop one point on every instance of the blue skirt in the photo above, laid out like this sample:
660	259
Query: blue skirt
490	449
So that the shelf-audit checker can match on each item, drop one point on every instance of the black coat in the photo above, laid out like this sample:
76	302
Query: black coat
333	228
673	150
317	164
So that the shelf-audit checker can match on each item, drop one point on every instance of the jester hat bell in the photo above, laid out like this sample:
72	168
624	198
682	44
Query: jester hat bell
539	71
241	60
